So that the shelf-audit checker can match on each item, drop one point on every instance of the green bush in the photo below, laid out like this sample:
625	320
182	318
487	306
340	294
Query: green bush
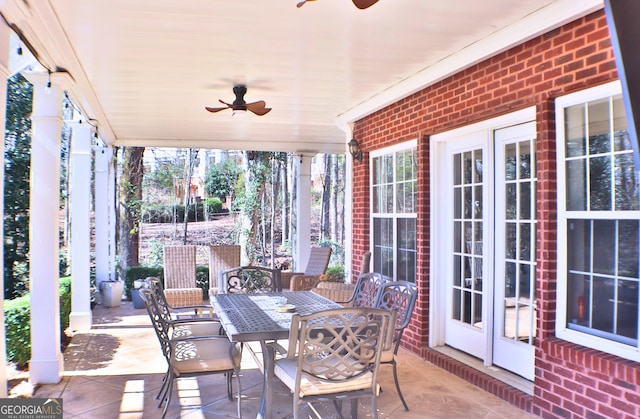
335	273
141	272
214	206
17	313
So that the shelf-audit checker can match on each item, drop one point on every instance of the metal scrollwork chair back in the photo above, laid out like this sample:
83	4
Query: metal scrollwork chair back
398	296
334	355
366	290
192	356
248	279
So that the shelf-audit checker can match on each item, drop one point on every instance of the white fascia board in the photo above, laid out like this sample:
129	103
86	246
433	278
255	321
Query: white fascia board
542	21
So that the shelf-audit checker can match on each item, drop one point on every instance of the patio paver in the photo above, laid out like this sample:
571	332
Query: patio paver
115	370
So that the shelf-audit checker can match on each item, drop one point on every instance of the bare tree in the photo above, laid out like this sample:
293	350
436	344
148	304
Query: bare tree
189	166
129	205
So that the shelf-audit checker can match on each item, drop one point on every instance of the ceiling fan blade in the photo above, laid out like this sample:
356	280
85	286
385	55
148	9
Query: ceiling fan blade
259	107
300	4
216	109
363	4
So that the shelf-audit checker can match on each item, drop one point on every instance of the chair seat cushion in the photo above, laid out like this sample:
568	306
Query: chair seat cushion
286	370
207	354
192	329
181	297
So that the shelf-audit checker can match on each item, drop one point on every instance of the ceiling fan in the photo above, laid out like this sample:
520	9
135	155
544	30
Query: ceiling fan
360	4
239	104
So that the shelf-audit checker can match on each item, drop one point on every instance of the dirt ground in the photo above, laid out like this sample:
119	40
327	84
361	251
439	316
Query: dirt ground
203	233
219	231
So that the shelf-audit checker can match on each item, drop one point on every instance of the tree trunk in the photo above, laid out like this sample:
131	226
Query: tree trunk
129	202
326	199
286	203
190	163
334	199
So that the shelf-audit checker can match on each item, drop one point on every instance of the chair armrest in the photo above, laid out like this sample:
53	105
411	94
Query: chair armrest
304	282
285	277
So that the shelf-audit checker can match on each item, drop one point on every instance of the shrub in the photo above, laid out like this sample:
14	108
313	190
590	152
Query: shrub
335	273
142	272
213	206
17	313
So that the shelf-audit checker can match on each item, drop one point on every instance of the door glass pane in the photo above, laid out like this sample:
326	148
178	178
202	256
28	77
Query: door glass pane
468	234
510	163
518	313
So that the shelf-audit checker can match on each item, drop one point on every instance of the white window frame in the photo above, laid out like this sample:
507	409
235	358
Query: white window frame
392	215
562	331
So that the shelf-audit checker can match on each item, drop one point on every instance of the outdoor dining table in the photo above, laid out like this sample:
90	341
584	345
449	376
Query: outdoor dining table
258	317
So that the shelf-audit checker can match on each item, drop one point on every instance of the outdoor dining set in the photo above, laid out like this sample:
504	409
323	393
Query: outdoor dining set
321	349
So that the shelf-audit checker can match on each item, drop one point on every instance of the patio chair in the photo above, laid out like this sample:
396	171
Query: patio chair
400	296
182	326
180	285
335	291
221	258
316	266
334	355
250	279
193	356
366	290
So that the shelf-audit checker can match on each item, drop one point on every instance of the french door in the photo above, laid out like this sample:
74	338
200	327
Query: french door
488	258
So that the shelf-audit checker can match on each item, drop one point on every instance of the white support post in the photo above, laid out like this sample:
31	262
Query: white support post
79	202
46	364
5	35
102	213
303	209
348	217
111	198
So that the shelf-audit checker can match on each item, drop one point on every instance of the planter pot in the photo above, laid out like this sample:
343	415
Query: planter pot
111	293
136	298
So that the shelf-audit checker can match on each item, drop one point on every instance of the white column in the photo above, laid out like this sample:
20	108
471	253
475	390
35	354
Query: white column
303	210
112	220
46	364
102	213
79	203
348	217
4	74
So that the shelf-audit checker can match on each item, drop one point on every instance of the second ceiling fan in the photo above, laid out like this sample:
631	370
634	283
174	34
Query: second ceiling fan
360	4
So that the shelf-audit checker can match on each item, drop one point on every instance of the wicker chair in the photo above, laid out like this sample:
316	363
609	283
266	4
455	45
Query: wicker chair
316	266
334	355
180	286
335	291
400	296
221	258
192	356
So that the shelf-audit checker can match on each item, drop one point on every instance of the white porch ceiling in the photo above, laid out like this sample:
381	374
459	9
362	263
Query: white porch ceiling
145	69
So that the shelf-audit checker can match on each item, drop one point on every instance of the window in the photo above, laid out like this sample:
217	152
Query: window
394	191
598	223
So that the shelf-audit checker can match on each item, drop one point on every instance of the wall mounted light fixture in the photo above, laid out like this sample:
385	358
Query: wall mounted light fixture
354	149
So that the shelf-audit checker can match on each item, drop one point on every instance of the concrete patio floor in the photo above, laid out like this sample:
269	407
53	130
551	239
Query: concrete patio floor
115	370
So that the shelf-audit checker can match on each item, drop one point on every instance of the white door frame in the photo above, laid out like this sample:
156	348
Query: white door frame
438	295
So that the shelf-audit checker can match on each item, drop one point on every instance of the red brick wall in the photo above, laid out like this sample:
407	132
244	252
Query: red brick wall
571	381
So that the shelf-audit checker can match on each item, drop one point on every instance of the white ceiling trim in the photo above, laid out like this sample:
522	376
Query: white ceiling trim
538	23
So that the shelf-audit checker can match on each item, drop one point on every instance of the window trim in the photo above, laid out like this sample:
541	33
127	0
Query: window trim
562	331
396	148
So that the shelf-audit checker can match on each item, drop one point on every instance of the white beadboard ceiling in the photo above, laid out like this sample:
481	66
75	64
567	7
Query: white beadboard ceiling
145	69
